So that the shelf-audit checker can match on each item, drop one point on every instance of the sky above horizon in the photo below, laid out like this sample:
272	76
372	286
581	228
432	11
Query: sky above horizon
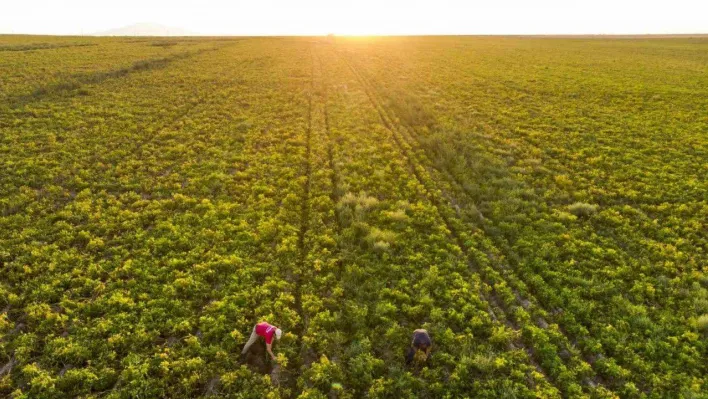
361	17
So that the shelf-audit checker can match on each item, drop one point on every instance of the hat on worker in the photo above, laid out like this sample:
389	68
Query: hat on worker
278	333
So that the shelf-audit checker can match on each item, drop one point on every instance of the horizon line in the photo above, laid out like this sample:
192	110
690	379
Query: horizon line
363	35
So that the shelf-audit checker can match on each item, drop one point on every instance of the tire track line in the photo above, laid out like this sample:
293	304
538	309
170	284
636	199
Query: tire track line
494	308
301	329
591	382
331	153
67	88
530	301
505	273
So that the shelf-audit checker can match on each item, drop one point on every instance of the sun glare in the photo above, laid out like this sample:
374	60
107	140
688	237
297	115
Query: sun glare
363	17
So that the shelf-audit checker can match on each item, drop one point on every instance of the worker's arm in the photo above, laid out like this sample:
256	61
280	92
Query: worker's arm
269	348
410	354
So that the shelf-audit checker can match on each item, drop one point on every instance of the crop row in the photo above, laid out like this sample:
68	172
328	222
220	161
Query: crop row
24	74
396	268
138	253
151	213
549	347
618	353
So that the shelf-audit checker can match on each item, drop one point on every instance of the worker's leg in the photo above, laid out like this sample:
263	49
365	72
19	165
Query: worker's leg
251	341
410	354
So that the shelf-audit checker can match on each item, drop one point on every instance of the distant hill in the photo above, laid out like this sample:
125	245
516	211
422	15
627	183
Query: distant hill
146	29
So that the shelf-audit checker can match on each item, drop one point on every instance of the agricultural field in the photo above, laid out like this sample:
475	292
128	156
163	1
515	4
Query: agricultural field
539	205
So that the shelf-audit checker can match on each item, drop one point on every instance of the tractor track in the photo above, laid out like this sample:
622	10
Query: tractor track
320	153
600	378
512	281
589	382
297	275
496	308
331	153
69	87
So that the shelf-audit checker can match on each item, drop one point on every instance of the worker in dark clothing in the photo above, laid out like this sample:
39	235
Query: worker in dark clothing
421	342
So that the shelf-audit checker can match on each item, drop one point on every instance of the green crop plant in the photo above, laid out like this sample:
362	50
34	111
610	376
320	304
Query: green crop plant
538	205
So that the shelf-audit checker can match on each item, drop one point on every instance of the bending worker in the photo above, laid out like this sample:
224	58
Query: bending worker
266	331
421	342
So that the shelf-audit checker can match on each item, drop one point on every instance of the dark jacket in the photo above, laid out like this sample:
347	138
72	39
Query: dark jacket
421	341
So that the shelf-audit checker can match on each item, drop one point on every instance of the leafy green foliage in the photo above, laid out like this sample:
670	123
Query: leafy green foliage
543	223
561	170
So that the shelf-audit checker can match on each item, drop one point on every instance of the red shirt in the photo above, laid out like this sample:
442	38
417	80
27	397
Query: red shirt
266	331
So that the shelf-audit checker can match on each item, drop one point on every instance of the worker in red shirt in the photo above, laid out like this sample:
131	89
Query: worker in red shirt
266	331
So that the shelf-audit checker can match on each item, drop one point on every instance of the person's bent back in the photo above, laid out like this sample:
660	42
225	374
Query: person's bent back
266	331
421	342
